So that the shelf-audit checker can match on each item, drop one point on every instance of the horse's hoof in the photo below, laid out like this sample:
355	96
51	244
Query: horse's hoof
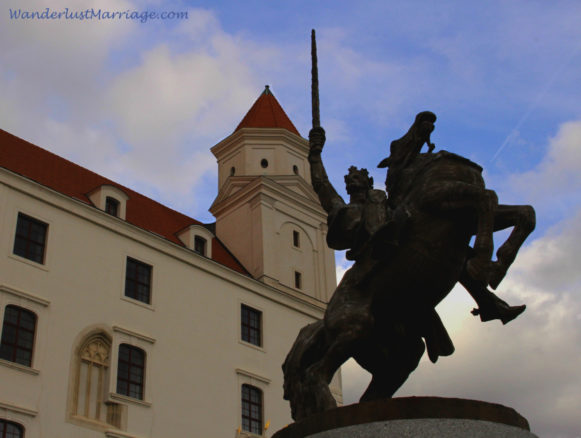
497	274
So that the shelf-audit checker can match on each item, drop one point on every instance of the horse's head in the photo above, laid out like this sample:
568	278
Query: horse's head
424	125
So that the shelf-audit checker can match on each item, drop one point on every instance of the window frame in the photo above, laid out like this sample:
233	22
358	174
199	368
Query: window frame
247	328
131	366
255	424
20	238
135	282
18	328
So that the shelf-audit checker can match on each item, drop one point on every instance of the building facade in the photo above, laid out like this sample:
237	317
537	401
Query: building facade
124	318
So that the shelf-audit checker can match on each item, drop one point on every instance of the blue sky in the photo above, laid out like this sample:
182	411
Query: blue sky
143	103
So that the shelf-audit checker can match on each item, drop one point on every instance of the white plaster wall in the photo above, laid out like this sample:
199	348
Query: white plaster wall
192	383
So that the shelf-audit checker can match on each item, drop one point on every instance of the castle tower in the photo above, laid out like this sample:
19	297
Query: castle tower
266	211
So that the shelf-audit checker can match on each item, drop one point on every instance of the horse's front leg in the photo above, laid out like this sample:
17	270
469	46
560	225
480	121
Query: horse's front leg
523	219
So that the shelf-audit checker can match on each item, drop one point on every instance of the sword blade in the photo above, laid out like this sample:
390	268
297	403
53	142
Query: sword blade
314	82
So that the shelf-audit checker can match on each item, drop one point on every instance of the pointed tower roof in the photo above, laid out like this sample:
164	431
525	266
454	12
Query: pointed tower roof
267	113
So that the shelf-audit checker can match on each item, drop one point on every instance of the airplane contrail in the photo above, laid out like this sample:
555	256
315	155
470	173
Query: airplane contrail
535	104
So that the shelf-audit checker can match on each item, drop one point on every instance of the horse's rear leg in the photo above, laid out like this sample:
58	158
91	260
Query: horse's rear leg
390	365
522	218
308	348
344	333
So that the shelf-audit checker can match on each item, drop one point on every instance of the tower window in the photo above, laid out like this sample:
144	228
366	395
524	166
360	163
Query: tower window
296	239
264	163
296	169
252	409
232	171
200	245
251	325
30	239
112	206
298	280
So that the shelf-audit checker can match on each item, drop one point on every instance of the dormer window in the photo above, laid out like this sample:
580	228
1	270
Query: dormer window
110	199
197	238
200	245
112	206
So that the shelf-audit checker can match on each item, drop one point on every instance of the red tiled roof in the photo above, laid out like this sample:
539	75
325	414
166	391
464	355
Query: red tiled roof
61	175
267	113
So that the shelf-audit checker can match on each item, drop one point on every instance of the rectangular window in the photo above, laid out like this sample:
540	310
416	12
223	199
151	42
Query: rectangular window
30	239
18	335
251	409
200	245
298	280
296	239
251	320
112	206
131	371
138	281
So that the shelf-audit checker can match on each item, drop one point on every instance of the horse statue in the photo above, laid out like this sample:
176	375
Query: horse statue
409	250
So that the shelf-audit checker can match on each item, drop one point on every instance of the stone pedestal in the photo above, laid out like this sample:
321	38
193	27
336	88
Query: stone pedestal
417	417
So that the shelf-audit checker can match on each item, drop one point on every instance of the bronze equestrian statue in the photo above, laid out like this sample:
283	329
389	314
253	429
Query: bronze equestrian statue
409	250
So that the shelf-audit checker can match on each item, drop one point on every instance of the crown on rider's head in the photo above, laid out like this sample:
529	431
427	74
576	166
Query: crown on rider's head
353	170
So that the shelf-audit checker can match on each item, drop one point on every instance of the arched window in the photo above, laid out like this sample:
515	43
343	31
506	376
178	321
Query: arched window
251	409
18	335
131	371
9	429
91	378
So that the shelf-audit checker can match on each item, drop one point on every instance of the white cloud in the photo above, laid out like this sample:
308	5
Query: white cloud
149	126
559	172
62	59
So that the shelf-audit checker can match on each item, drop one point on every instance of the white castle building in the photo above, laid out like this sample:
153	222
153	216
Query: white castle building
123	318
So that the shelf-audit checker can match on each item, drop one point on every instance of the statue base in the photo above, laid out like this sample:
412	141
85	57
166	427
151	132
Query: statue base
404	417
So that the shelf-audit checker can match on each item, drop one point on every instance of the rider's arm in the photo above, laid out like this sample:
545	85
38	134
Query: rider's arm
328	196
